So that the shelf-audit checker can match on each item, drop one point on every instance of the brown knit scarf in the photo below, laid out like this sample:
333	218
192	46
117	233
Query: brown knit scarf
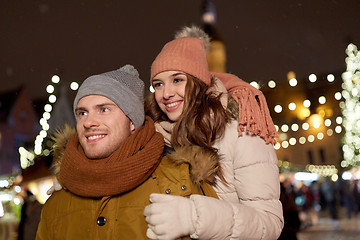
130	165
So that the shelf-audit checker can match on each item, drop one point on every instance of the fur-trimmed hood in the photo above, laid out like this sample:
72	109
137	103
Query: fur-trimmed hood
61	138
204	163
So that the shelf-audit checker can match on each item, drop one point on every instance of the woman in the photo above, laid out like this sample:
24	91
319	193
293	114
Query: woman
221	113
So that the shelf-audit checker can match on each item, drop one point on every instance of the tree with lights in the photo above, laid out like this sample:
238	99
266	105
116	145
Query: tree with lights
351	108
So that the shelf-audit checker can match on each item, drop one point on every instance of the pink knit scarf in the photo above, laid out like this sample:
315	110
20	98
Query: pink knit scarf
254	115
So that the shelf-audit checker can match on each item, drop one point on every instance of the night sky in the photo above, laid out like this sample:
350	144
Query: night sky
76	39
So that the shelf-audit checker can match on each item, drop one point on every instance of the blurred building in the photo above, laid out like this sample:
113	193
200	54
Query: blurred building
216	55
18	126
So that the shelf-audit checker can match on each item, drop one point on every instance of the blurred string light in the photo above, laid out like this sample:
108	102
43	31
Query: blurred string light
272	84
27	157
55	79
330	77
284	128
302	140
314	172
307	103
312	78
322	100
304	110
337	95
74	86
292	106
284	164
294	127
327	122
323	170
278	108
319	123
50	89
255	84
305	126
351	108
293	82
322	127
304	113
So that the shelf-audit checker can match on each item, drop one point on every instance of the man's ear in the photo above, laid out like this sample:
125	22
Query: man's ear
132	127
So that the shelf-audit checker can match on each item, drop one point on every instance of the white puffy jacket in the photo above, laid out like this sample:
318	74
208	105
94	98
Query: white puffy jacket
252	209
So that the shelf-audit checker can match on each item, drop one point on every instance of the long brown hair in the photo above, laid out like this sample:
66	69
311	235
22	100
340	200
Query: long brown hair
203	118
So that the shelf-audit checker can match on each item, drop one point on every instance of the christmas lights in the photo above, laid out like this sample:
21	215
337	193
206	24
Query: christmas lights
351	108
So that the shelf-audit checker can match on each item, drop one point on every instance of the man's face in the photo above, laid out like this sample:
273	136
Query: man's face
101	126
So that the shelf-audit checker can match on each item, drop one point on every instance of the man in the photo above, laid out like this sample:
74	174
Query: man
111	164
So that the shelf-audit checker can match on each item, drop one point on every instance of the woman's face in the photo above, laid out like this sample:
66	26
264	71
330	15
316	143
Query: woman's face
169	93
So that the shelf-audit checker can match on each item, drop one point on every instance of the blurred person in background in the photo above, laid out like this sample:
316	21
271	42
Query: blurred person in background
291	215
356	196
30	217
329	191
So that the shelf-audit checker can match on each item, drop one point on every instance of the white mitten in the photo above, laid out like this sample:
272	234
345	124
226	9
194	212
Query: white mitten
55	187
169	217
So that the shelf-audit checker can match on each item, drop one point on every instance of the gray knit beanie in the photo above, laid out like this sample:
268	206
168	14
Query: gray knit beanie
122	86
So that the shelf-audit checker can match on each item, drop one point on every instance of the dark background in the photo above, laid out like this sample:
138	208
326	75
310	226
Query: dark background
264	39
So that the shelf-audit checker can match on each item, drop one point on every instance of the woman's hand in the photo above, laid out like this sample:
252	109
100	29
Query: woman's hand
55	187
169	217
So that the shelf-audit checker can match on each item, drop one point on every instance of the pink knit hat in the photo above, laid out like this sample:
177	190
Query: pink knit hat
185	54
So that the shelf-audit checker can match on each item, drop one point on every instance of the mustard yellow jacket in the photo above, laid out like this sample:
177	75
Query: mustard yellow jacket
68	216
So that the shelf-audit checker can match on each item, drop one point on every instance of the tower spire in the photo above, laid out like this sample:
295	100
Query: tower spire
216	55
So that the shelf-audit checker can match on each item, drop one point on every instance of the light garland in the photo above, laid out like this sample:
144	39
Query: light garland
27	157
284	141
322	170
316	121
313	127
